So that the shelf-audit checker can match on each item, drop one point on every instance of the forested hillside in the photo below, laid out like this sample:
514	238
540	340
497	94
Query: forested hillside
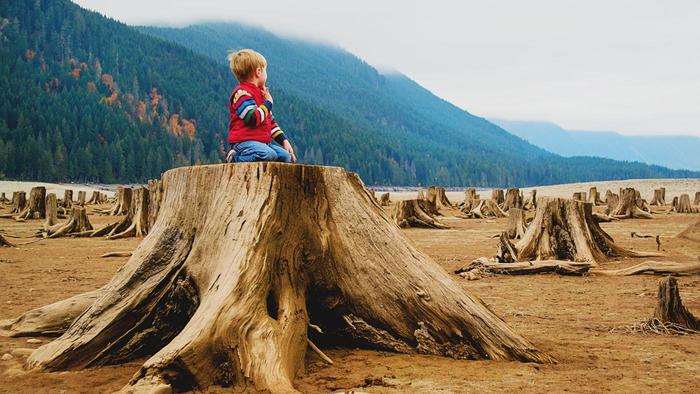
84	97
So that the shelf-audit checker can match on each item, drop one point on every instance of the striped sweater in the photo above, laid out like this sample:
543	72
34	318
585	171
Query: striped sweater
251	116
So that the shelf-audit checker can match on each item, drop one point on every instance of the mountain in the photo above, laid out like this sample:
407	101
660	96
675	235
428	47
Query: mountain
680	152
84	97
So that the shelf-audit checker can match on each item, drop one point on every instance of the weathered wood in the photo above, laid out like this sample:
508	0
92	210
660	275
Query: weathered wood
629	206
81	197
564	230
683	204
97	198
513	199
137	217
471	200
77	222
594	196
36	205
384	199
562	267
437	196
669	307
487	209
497	195
516	223
19	202
655	268
67	201
411	213
531	201
155	195
697	198
213	295
659	198
122	205
51	210
579	196
3	199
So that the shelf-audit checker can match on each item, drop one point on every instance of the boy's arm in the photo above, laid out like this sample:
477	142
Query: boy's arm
246	109
276	132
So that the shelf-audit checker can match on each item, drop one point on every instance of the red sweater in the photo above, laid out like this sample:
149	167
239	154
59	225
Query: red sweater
251	116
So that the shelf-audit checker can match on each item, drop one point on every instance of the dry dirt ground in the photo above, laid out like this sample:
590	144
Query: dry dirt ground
568	317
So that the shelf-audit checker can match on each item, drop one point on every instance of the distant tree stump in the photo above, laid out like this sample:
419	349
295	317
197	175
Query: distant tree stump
471	200
51	210
516	223
487	209
135	223
82	195
67	201
497	195
3	199
384	200
629	206
563	230
513	199
594	196
438	197
670	309
531	201
697	198
421	195
659	197
243	257
122	205
155	195
19	202
77	223
36	206
97	198
411	213
683	205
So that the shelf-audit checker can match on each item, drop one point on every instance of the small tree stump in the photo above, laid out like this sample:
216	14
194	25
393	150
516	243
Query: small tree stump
19	202
136	221
3	199
471	200
531	201
683	204
516	223
629	206
122	205
81	197
51	210
487	209
214	295
563	230
437	196
670	309
513	199
659	198
410	213
594	196
78	222
384	200
497	195
97	198
67	201
36	206
697	198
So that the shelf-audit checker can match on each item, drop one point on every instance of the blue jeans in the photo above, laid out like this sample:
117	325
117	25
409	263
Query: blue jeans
249	151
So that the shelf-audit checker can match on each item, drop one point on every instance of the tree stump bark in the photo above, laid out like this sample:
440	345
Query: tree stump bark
513	199
78	222
97	198
81	198
487	209
384	200
531	201
438	197
471	200
628	206
697	198
243	257
51	210
498	196
135	223
122	205
19	202
670	309
416	213
594	196
67	201
683	205
563	230
659	197
155	195
36	206
579	196
516	223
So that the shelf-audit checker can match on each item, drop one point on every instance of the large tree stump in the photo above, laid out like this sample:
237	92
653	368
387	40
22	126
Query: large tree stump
487	209
19	201
471	200
563	230
135	223
438	197
513	199
659	197
77	223
51	210
670	309
594	196
36	206
497	195
243	257
416	213
516	223
67	201
122	205
683	205
629	206
155	195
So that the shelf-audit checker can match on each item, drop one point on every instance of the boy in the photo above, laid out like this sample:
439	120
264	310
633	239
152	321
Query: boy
252	126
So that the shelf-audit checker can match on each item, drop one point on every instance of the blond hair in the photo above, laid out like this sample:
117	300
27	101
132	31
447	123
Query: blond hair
244	63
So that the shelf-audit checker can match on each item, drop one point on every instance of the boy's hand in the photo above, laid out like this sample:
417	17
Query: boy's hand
288	147
266	94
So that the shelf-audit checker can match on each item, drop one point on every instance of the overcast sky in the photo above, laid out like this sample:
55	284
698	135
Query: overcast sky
628	66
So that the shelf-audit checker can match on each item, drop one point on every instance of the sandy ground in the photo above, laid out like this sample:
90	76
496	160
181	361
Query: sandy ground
568	317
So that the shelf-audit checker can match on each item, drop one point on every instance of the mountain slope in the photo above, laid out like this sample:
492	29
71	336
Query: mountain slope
679	152
85	97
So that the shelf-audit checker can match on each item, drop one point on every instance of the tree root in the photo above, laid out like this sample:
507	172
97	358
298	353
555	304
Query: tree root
654	268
